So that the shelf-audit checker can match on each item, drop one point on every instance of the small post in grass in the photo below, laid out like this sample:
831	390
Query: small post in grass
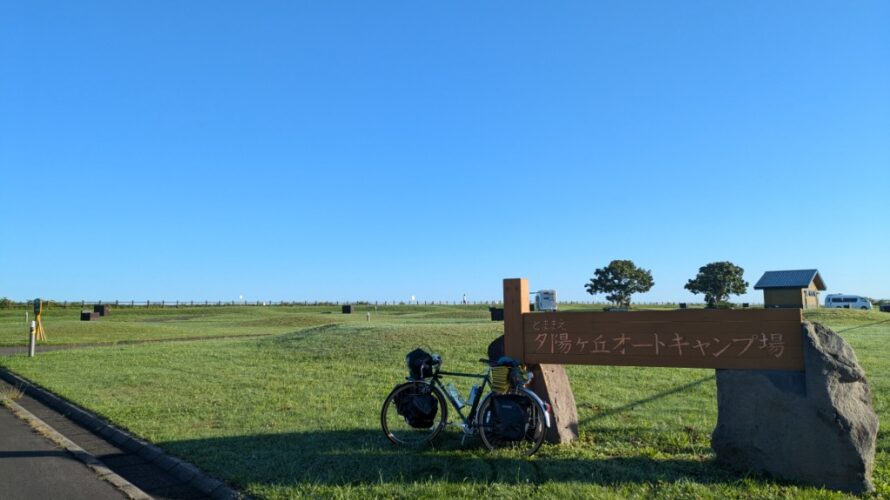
32	339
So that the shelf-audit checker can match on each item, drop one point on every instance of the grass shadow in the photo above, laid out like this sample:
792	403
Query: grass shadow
655	397
365	457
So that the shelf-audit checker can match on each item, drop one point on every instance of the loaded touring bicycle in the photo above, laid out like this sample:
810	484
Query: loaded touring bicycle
508	416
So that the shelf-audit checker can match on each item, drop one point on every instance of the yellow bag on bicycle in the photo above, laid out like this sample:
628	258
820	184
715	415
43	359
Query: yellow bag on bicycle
507	375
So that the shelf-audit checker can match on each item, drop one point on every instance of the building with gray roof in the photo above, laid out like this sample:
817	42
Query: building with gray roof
798	288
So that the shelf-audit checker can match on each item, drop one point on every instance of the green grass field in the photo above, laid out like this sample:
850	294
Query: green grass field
295	413
128	324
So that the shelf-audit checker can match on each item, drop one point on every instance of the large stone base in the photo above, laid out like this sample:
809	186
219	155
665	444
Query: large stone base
816	427
552	384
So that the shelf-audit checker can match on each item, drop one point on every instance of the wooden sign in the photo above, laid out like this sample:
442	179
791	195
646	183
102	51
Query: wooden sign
752	339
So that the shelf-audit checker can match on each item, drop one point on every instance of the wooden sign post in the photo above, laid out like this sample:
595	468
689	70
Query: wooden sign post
752	339
550	380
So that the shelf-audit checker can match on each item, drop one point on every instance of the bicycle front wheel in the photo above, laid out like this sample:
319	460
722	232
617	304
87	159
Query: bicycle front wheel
524	437
413	414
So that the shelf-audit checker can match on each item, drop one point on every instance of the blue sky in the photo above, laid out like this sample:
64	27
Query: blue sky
378	150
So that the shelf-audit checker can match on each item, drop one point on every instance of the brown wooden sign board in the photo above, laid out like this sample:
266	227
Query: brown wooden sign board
753	339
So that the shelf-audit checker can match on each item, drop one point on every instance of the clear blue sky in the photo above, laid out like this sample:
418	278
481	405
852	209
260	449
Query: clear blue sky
374	150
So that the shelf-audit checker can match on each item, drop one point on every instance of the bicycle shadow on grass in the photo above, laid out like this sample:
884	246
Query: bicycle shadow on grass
364	456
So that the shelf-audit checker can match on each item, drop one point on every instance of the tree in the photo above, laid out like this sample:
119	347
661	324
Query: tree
620	279
718	280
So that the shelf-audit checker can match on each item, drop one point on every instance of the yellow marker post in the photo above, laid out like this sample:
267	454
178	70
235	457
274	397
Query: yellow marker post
39	331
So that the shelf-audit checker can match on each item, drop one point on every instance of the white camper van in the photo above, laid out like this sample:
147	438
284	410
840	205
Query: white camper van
847	301
545	300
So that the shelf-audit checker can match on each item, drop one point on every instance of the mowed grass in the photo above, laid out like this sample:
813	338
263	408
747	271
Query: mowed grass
296	414
128	324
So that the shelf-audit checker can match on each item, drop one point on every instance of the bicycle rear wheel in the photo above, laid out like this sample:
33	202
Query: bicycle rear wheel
532	433
402	426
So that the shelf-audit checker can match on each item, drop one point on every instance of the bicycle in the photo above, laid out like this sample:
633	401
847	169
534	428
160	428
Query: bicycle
508	416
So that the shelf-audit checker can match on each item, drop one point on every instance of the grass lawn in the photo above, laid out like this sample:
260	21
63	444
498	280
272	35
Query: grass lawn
127	324
296	413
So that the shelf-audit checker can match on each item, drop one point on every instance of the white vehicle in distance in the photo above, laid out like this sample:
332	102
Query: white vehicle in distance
839	300
545	300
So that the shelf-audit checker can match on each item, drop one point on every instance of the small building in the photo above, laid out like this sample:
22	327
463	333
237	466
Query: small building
798	288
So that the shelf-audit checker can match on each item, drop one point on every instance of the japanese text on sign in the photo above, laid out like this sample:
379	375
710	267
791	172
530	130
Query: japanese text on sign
656	344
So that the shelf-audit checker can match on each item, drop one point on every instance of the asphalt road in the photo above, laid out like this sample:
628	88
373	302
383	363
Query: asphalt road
31	467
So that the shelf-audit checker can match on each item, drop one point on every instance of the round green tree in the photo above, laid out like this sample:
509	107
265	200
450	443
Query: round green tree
717	281
620	279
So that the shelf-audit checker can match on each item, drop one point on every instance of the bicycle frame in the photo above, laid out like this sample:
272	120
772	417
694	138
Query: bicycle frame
469	421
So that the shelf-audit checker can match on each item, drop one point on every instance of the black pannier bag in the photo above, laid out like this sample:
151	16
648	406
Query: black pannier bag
420	364
418	406
509	416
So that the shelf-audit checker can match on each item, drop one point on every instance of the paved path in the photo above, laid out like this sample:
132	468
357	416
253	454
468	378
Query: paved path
152	479
31	467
